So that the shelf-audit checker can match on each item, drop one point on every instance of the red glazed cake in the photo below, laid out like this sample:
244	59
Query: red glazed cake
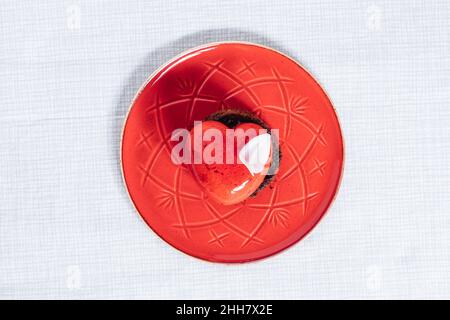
252	156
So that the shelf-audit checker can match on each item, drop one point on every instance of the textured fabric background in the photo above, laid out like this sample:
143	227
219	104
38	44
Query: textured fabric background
68	72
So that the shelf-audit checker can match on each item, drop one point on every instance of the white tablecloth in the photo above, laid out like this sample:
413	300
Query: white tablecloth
68	72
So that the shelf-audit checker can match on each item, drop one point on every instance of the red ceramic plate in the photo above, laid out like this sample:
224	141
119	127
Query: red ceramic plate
238	76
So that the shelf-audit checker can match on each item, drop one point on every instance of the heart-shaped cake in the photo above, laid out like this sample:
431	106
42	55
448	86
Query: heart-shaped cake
232	153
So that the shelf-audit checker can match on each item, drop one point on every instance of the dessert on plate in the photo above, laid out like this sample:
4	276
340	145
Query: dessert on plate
238	106
239	155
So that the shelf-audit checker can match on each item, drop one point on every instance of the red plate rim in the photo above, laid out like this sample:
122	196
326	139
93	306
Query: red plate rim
200	47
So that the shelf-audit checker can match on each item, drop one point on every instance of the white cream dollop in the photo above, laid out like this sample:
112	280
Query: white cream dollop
255	154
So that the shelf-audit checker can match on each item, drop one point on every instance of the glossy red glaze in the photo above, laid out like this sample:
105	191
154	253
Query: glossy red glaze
237	76
227	183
